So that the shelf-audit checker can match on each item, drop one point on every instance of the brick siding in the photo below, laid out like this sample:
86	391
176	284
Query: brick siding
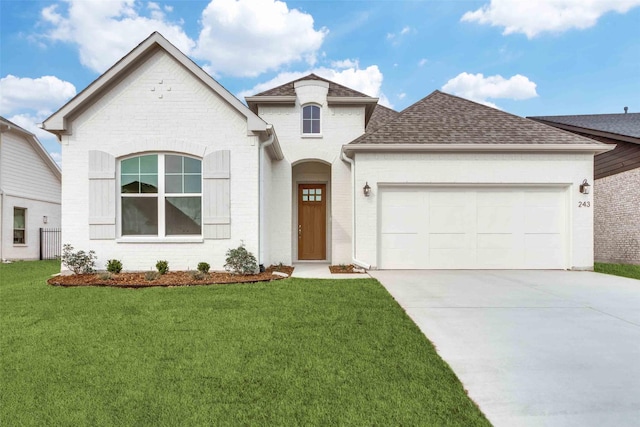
617	218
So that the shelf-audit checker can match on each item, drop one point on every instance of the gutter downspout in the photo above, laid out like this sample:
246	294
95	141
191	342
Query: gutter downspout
262	146
364	265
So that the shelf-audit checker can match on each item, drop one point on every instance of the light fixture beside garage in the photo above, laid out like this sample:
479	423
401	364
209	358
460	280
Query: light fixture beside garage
584	187
366	189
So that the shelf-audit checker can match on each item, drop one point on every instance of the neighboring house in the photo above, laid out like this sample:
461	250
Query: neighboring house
617	176
164	163
29	192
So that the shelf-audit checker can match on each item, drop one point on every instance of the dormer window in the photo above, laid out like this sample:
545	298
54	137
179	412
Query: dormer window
311	120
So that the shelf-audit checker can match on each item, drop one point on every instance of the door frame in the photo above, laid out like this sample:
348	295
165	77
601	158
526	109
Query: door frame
296	222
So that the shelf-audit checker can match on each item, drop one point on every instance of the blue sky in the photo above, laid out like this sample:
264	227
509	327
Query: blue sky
527	57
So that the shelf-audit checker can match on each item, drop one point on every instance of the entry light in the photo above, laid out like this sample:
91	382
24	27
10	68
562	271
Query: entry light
584	187
366	189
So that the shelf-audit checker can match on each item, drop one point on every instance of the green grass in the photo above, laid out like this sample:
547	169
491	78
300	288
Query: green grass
624	270
290	352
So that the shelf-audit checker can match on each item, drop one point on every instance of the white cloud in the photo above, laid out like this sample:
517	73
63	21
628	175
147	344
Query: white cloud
402	95
104	31
395	36
345	63
249	37
57	157
42	94
479	88
422	62
367	81
535	17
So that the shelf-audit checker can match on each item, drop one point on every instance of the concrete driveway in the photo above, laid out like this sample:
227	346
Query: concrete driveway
533	348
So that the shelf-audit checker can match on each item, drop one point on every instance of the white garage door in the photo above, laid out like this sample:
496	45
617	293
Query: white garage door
473	228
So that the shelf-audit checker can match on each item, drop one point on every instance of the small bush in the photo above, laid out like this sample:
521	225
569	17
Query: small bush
241	261
162	266
198	275
105	276
203	267
150	276
114	266
79	262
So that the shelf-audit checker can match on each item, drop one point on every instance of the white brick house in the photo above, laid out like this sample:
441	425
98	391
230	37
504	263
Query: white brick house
29	192
164	163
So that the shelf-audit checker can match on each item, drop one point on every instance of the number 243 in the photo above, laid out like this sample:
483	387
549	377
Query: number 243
584	204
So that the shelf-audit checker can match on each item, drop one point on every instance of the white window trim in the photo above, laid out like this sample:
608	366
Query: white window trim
161	237
13	229
310	135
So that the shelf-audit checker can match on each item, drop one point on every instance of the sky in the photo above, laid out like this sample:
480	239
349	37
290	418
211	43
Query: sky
526	57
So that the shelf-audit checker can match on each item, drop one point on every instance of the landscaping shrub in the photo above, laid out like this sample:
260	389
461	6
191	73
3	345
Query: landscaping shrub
162	266
79	262
198	275
203	267
241	261
151	276
105	276
114	266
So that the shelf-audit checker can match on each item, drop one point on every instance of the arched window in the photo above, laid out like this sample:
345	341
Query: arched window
160	195
311	120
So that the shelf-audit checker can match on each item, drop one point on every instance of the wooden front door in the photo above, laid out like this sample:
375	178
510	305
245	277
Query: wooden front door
312	221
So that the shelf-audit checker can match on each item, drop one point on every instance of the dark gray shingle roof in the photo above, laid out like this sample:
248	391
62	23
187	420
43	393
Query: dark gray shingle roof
620	124
380	116
441	118
335	89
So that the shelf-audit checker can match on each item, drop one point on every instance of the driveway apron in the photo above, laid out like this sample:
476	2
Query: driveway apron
533	348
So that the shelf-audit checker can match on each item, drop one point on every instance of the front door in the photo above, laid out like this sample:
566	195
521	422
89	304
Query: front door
312	222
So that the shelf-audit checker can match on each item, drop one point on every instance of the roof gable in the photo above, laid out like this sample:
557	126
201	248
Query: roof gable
57	122
7	126
440	118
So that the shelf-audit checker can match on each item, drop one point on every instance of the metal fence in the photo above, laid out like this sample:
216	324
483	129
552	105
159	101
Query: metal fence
50	243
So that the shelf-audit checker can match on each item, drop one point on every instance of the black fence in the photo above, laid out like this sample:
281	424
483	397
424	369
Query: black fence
50	243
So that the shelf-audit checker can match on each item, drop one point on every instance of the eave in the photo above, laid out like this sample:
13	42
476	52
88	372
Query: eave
351	149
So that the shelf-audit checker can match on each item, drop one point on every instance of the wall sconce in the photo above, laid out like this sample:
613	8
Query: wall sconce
366	189
584	187
45	219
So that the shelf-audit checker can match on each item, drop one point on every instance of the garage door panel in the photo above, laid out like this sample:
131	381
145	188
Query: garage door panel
448	258
543	220
448	241
505	227
399	251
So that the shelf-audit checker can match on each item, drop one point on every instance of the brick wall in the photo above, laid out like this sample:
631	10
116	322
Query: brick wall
617	218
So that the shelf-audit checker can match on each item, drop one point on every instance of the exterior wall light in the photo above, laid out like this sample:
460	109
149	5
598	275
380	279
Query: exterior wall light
45	219
584	187
366	189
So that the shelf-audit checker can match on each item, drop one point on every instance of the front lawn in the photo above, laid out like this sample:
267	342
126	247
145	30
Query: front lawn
291	352
624	270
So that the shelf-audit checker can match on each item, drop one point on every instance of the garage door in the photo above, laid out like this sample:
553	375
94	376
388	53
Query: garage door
473	228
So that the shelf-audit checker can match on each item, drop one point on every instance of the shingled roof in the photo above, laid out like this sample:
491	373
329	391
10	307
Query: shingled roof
380	116
441	118
335	89
619	124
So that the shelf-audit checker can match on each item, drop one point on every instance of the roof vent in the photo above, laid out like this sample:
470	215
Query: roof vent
626	109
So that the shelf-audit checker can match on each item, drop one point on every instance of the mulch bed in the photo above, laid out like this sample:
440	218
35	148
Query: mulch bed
172	278
346	269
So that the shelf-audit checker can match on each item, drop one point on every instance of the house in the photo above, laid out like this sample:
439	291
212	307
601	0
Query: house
30	183
617	175
164	163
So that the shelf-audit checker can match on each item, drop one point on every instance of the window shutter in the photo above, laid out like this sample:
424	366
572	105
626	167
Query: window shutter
216	201
102	195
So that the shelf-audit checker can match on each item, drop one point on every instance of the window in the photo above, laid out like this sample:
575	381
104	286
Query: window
311	119
19	221
161	195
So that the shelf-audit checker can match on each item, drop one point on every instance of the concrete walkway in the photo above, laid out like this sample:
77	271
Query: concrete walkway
320	270
533	348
